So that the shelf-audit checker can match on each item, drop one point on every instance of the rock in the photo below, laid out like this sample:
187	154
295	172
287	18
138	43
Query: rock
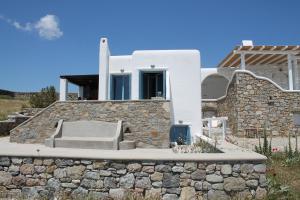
110	182
50	169
60	173
27	169
173	190
171	181
217	186
100	164
98	195
211	168
88	183
39	169
234	184
252	183
92	175
199	174
157	184
260	168
118	166
4	161
236	168
86	162
185	182
122	171
5	178
75	172
217	195
38	161
188	193
27	160
30	193
177	169
141	174
148	169
260	193
32	182
143	182
18	180
213	178
190	166
157	176
68	185
246	194
16	161
117	193
53	184
206	185
263	180
14	170
79	193
48	162
162	168
104	173
198	185
226	169
134	167
64	162
246	168
185	175
154	193
127	181
170	197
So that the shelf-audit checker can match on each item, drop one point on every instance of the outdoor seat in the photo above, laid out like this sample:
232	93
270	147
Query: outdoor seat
86	135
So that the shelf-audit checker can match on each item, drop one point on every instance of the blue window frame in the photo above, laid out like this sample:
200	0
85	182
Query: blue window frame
152	84
180	134
120	87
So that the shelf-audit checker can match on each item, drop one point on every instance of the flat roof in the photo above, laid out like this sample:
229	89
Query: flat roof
259	55
86	79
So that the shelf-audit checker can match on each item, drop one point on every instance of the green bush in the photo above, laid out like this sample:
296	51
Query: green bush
266	148
44	98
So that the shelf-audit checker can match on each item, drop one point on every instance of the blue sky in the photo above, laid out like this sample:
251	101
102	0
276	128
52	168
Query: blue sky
33	55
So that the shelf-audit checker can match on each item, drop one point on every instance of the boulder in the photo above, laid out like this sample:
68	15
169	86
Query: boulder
234	184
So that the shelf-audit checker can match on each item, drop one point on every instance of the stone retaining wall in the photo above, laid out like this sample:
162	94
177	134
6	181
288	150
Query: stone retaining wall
252	103
146	122
47	178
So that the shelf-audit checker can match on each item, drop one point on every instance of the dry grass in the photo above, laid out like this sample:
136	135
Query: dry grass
8	106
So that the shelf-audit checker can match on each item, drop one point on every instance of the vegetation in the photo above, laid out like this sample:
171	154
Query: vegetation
283	169
9	106
44	98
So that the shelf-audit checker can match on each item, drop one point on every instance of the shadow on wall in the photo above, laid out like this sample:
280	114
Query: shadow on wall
214	86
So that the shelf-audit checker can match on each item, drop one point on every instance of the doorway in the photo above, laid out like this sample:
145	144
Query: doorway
152	85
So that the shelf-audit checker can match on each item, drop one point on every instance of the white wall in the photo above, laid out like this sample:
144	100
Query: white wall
183	83
103	69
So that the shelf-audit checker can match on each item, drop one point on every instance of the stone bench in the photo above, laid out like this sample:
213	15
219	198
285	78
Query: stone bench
86	135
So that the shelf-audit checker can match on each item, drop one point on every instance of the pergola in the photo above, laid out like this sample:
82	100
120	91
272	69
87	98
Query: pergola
242	56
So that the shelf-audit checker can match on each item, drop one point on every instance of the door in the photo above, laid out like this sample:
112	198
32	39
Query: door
180	134
120	87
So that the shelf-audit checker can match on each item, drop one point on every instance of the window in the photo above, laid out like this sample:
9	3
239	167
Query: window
120	87
152	84
297	119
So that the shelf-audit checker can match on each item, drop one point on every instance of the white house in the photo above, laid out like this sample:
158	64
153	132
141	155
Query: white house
173	75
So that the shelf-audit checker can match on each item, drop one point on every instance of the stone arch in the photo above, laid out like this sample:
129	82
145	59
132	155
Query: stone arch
214	86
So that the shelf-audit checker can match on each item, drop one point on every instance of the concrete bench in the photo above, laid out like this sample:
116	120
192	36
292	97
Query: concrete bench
86	135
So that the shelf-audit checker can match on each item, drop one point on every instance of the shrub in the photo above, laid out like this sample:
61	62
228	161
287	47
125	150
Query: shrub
266	148
44	98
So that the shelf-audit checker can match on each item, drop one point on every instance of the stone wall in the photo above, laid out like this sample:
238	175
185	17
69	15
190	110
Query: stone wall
252	103
12	122
48	178
147	122
278	74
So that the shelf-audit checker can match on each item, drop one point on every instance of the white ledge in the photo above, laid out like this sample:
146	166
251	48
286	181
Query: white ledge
38	150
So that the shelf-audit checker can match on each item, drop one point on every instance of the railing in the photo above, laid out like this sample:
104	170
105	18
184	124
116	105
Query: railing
215	123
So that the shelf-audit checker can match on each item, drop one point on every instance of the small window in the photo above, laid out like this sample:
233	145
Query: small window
297	119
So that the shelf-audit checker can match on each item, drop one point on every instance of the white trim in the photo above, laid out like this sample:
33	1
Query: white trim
290	72
168	86
255	76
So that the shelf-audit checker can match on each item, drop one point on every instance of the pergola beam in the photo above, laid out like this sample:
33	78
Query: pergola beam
264	52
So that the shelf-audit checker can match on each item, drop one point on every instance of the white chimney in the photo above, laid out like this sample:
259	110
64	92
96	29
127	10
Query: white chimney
247	43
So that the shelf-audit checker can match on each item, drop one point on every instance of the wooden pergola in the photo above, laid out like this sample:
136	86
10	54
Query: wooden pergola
242	56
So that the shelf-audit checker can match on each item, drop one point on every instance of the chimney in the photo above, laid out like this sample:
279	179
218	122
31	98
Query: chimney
247	43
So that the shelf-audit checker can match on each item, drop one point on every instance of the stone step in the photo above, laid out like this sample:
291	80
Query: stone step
84	143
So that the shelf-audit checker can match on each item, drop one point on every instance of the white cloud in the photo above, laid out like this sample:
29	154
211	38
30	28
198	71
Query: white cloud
47	27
